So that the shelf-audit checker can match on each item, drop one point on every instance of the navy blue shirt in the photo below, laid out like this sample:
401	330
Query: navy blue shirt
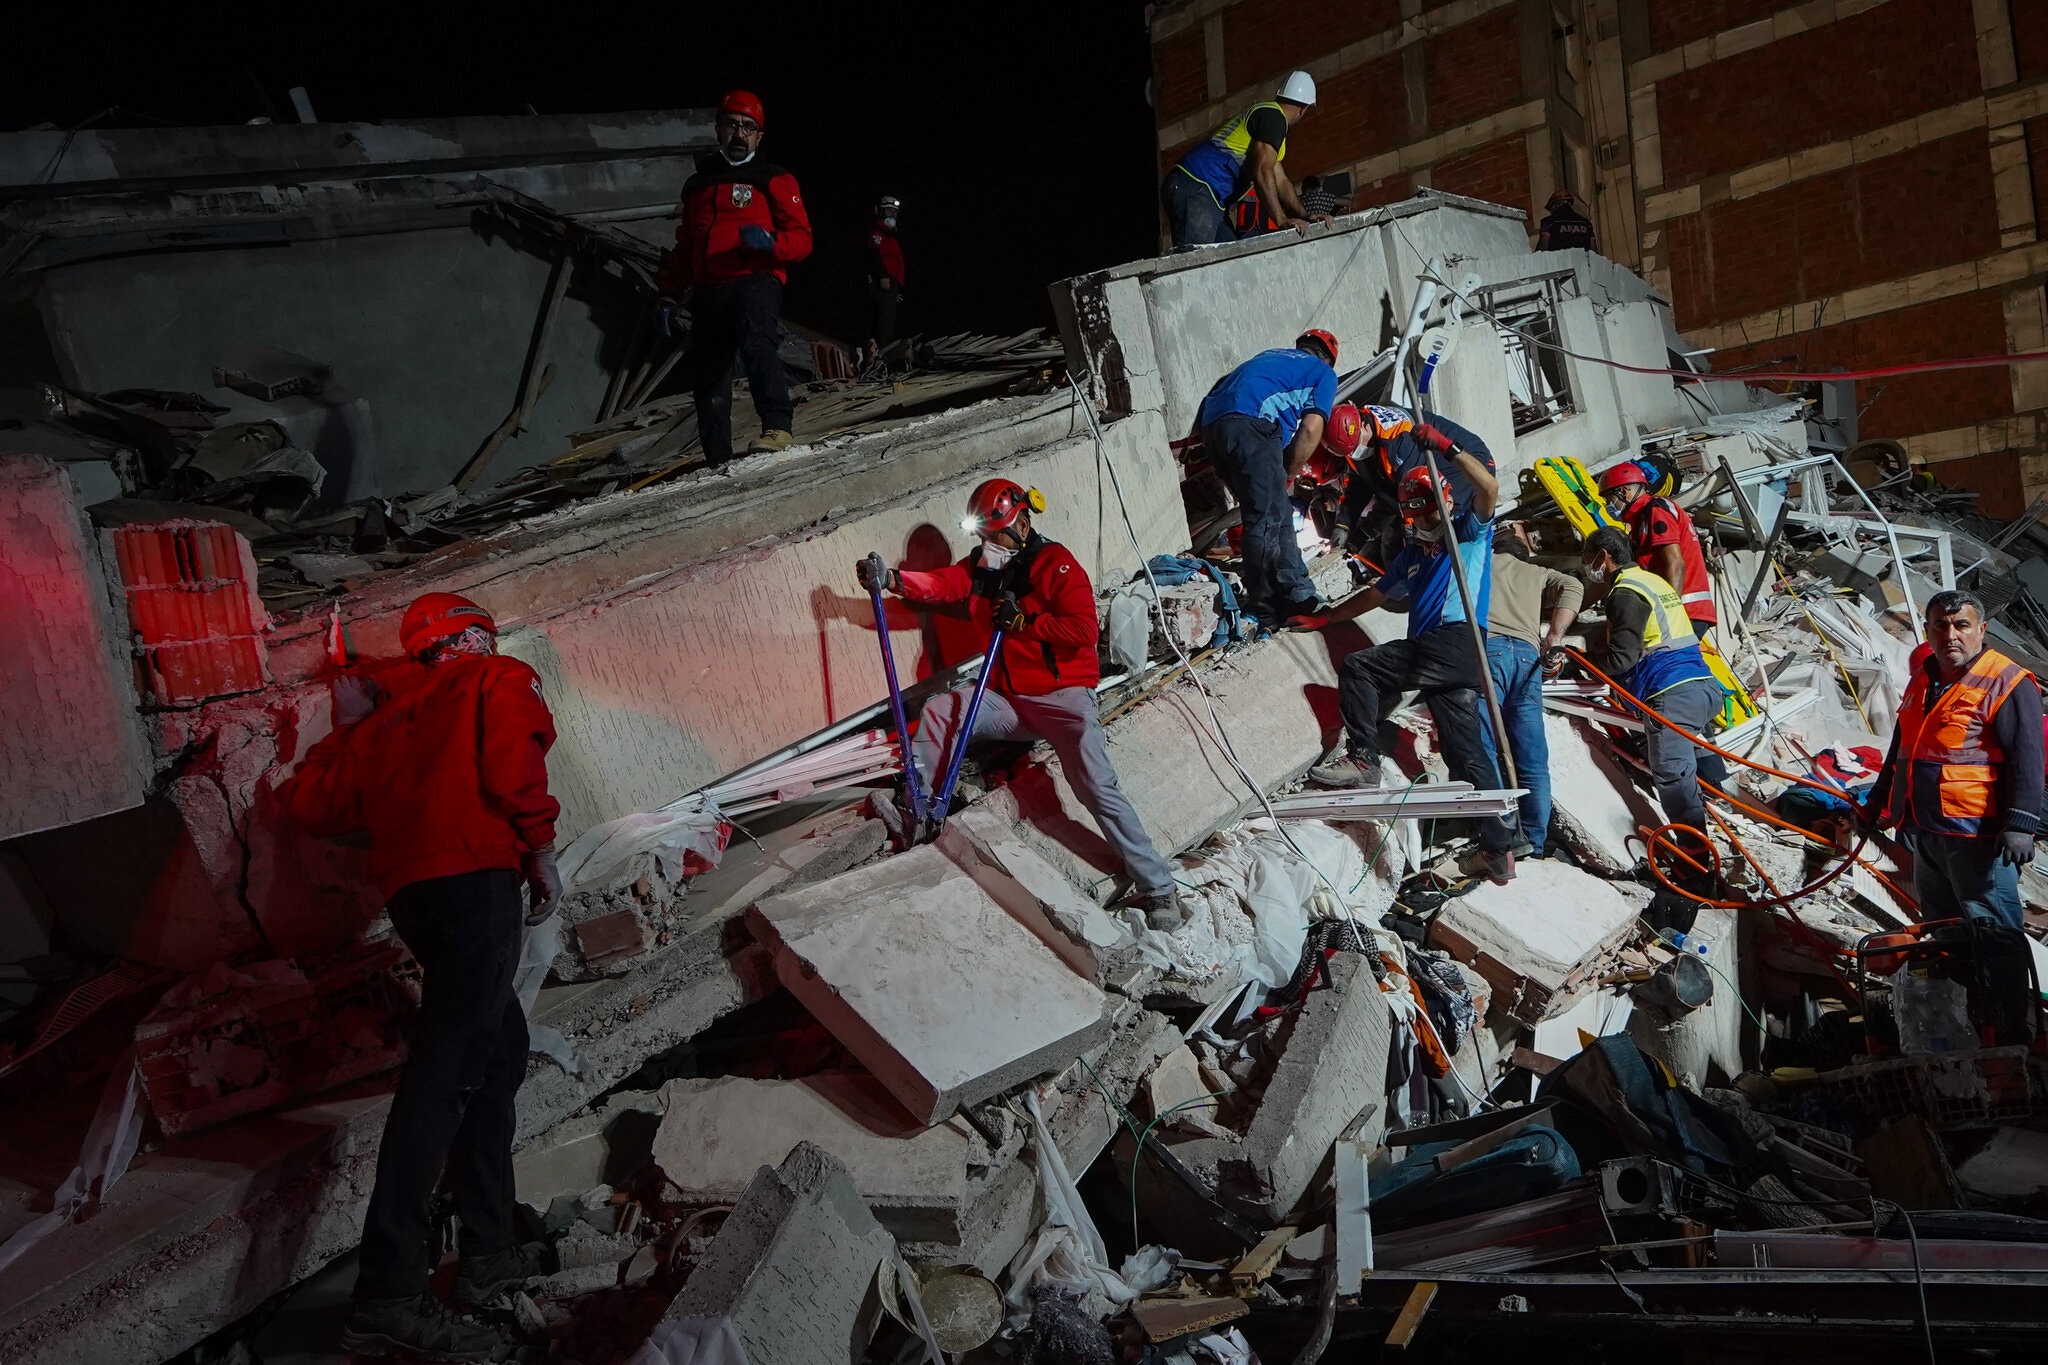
1278	385
1421	576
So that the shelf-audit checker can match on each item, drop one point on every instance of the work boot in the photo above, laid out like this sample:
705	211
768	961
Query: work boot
1348	770
771	440
1163	911
479	1280
421	1326
1497	866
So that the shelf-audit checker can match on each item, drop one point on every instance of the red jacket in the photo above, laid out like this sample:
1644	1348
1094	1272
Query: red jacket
885	253
448	776
1659	521
1057	648
717	202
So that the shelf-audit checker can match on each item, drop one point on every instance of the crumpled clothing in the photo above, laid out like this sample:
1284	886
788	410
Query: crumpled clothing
1447	996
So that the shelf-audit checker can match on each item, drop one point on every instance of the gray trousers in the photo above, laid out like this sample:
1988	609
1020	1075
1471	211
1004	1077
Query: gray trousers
1068	720
1674	760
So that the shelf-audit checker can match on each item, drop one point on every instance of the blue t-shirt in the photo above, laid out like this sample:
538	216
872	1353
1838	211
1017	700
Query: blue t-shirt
1421	576
1277	385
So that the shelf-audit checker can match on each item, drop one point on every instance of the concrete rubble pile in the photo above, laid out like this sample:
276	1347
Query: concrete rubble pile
803	1094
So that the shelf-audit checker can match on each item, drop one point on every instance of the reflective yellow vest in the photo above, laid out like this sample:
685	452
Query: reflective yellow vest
1219	162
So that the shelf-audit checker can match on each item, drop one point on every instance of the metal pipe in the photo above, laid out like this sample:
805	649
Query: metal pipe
1500	728
942	799
911	786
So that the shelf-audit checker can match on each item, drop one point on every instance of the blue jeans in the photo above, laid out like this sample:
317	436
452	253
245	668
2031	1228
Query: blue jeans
1517	670
1248	456
1192	211
1962	875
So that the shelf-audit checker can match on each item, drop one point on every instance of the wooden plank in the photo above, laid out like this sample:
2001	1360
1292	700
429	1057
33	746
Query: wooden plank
1165	1319
1258	1263
1529	1059
1410	1320
534	378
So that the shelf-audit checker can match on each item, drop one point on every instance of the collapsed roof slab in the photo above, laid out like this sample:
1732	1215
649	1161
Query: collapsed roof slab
929	979
1540	940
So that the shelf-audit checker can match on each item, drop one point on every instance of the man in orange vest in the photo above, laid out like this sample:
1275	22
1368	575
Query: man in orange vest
1964	771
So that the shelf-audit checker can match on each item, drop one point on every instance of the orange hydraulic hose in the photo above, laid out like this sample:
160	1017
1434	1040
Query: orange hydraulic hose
1662	832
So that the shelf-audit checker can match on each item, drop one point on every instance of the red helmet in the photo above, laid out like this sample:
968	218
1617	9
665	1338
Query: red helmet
1622	475
1560	197
995	504
1344	430
1318	334
745	104
1415	484
437	616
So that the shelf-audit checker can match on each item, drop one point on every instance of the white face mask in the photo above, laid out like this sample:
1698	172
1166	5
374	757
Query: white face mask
994	556
1595	575
1428	535
889	223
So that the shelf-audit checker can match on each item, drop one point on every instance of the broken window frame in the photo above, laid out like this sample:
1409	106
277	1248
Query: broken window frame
1524	312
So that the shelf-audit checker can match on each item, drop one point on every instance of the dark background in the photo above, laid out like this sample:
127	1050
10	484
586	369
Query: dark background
1019	137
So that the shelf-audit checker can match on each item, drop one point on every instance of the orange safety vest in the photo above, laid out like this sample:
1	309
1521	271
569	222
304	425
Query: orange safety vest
1946	753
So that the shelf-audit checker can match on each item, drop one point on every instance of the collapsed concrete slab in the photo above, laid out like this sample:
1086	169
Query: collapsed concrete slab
1596	808
916	1179
1331	1074
929	980
1540	940
792	1268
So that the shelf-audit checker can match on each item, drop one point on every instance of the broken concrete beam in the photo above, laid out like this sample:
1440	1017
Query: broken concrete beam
929	980
1539	941
916	1179
606	1146
792	1268
1596	808
1332	1069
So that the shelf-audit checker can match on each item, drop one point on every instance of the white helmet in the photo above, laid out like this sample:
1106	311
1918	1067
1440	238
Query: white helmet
1300	88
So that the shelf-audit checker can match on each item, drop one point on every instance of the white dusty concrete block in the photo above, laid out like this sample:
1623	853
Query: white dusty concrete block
925	976
2014	1165
719	1131
1596	808
1539	940
793	1266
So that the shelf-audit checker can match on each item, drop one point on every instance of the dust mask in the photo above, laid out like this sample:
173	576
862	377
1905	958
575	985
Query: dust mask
1427	535
994	556
1595	575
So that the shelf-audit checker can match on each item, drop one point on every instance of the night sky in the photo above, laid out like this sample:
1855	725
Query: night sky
1018	136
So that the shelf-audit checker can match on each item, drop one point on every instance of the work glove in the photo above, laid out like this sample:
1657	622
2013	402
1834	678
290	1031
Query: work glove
1870	819
668	317
1554	660
754	237
2016	847
873	574
1010	614
353	697
544	880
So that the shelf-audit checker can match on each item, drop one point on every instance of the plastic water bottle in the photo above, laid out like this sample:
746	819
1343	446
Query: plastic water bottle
1685	943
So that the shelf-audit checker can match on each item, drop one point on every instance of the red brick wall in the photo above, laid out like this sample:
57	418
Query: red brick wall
1860	225
1358	113
1389	190
1180	73
1674	23
1498	171
2030	37
1475	69
1879	67
1967	325
1262	39
1995	478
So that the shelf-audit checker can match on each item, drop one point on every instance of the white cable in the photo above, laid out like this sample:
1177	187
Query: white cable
1217	730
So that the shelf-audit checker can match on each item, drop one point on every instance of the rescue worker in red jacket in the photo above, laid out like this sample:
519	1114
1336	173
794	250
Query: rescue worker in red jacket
448	776
1664	541
1043	686
885	271
741	225
1963	776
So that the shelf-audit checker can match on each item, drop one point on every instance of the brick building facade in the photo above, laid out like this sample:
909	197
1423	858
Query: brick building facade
1840	183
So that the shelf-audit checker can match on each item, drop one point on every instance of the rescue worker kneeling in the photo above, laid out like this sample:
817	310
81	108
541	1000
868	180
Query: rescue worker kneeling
1964	773
1043	686
1654	654
448	775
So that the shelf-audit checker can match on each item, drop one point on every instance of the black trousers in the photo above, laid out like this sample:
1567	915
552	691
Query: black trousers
1444	668
454	1106
742	317
882	306
1248	456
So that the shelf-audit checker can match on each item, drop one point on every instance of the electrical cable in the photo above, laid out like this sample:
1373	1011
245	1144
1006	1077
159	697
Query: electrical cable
1136	1240
1919	1272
